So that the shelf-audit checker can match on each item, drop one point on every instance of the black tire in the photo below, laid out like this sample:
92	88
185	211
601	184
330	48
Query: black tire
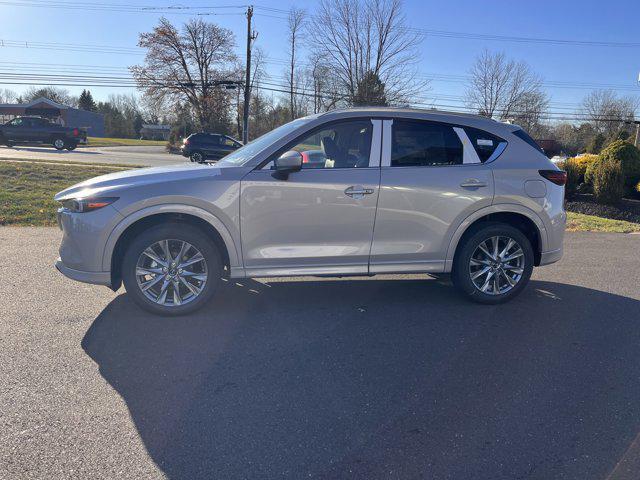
172	231
197	157
461	274
58	143
71	146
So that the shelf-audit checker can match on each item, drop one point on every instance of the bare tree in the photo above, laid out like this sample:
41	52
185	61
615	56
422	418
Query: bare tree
502	88
295	23
59	95
7	96
188	65
608	112
360	38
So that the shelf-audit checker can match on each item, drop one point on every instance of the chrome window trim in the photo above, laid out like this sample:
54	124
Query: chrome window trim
497	152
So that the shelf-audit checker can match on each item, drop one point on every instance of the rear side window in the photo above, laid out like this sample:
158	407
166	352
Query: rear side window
423	144
522	135
484	143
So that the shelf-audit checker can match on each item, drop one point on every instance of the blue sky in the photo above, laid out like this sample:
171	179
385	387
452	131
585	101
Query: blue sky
74	22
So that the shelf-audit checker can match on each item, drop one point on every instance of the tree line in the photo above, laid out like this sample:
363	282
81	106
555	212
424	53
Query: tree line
367	54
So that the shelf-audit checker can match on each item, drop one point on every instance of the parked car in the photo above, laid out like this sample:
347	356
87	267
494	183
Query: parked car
200	147
400	191
36	130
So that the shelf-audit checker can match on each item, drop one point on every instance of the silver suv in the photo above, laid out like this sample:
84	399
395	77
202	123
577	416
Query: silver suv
349	192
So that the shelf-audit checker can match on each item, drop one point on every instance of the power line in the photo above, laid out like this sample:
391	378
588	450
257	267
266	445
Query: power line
122	82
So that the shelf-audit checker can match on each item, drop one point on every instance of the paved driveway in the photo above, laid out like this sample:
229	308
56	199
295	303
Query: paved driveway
295	378
148	156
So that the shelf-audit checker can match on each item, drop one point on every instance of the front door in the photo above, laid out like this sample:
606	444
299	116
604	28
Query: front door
432	178
319	220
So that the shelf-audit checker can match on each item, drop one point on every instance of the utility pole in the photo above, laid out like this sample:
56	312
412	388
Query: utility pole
247	82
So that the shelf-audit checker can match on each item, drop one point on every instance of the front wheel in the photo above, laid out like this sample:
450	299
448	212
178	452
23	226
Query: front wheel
71	146
171	269
197	157
494	263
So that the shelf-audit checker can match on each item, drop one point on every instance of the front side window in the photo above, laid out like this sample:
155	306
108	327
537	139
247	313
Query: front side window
247	152
338	145
228	142
424	144
17	122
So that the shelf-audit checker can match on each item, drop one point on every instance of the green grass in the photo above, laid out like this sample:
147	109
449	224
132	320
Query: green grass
122	142
578	222
27	189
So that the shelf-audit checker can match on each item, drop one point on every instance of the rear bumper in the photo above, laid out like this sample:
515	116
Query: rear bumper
547	258
96	278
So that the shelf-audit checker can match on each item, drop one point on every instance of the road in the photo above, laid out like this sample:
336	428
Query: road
148	156
293	378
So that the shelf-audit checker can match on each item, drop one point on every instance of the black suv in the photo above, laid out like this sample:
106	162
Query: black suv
200	147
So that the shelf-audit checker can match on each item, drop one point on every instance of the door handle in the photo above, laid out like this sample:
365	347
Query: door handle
473	183
358	191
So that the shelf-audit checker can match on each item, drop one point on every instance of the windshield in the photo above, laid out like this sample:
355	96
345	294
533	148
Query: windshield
246	153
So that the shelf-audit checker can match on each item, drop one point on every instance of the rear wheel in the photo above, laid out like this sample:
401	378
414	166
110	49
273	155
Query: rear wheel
171	269
71	146
59	143
493	264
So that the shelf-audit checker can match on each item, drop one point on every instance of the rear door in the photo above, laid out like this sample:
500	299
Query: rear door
319	220
432	178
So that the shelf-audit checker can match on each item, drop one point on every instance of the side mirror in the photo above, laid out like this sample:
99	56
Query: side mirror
288	162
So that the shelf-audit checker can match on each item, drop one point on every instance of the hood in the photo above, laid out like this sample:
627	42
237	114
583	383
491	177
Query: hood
136	177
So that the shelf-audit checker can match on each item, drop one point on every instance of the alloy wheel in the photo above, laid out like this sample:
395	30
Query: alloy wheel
497	265
171	272
58	143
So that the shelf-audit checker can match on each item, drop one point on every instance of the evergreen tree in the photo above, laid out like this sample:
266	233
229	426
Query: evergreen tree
370	91
85	102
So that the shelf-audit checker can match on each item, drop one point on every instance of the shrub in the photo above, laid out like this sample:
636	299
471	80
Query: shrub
574	178
608	181
628	157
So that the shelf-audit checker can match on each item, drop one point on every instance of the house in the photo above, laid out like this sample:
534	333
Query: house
92	122
154	132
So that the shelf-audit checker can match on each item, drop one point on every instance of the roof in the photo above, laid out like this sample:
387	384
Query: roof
402	110
44	100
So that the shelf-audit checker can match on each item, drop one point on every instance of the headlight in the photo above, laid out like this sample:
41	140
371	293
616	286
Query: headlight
87	204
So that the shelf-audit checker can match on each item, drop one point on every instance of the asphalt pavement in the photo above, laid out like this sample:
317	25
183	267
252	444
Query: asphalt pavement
149	156
388	377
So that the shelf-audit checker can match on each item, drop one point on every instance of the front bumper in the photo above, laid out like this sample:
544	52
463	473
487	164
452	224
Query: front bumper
96	278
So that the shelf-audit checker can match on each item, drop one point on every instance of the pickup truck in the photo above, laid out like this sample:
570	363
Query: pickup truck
36	130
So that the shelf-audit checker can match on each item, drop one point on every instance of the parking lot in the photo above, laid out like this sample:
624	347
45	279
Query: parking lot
150	156
389	377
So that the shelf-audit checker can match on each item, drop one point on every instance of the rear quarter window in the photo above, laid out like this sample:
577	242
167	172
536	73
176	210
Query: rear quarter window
484	143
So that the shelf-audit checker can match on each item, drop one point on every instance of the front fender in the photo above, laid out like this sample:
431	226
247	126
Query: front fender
130	219
498	208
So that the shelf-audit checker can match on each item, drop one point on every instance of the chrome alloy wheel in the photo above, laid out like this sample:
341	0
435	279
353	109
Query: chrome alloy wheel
58	143
497	265
197	157
171	272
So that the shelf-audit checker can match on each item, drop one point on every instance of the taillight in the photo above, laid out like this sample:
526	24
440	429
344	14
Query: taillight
305	157
559	177
185	141
76	132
